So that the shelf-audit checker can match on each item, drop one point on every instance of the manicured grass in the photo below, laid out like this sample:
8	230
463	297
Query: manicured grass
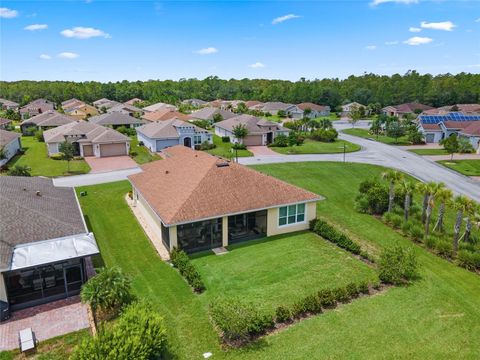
37	159
280	270
363	133
225	149
143	154
465	167
429	151
317	147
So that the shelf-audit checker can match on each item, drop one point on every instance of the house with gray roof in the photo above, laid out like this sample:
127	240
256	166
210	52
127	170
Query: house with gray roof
194	102
5	123
159	106
45	121
36	107
8	105
260	131
44	242
116	119
126	109
105	103
291	110
88	139
10	145
159	135
210	113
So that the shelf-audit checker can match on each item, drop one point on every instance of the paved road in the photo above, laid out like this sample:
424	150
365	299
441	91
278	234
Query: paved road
97	178
386	155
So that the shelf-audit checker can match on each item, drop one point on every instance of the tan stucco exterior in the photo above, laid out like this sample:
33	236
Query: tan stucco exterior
225	231
173	237
3	289
272	221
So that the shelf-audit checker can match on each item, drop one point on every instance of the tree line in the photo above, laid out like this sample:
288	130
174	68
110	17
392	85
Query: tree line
439	90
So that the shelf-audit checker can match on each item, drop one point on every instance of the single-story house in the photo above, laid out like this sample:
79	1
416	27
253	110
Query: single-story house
126	109
463	108
159	135
291	110
8	105
316	110
45	121
260	131
44	243
115	120
404	109
159	106
194	102
5	123
82	112
89	139
105	104
196	201
210	113
10	144
165	114
71	103
347	108
36	107
254	104
133	101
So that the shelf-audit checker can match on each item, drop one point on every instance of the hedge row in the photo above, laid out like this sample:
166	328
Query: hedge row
182	262
329	233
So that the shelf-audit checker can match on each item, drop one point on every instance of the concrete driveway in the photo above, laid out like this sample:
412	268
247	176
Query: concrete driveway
111	163
261	150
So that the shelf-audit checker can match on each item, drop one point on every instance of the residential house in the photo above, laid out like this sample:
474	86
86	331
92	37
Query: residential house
165	114
159	135
260	131
472	133
133	102
8	105
211	113
36	107
82	112
254	104
105	104
316	110
10	145
347	108
405	109
194	102
88	139
159	106
116	120
291	110
126	109
45	244
71	103
463	108
195	201
5	123
45	121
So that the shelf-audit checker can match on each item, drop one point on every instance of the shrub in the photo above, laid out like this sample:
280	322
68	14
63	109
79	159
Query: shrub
78	158
376	194
20	170
328	232
387	218
363	287
341	294
362	205
416	233
280	141
397	265
430	242
469	260
182	262
327	298
238	146
352	290
204	124
444	248
324	135
226	139
39	136
56	156
207	146
396	221
311	304
283	314
406	228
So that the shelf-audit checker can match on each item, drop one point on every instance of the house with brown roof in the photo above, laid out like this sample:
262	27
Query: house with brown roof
8	105
5	123
126	109
260	131
104	104
194	102
315	109
10	145
81	112
71	103
44	242
165	114
159	106
210	114
45	121
133	101
405	109
159	135
88	139
196	201
291	110
116	120
463	108
36	107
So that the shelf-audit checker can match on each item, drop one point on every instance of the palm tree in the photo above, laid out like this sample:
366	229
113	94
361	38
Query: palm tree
422	189
432	189
461	204
444	195
472	213
393	177
407	187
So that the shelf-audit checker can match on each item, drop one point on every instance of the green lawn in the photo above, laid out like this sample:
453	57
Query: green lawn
280	270
465	167
225	149
143	154
318	147
37	159
429	151
363	133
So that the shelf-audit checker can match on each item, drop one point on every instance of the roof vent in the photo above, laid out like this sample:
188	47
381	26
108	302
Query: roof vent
167	172
38	193
222	164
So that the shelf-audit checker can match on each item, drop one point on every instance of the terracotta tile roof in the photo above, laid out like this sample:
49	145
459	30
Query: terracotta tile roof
431	127
165	114
189	186
473	129
6	137
71	103
132	101
49	118
312	106
411	107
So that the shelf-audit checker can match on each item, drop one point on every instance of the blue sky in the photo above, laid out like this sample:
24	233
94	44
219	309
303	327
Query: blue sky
139	40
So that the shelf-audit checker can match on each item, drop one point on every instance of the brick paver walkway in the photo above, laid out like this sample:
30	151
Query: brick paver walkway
47	321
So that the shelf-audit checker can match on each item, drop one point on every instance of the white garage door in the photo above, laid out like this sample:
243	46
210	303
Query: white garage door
113	150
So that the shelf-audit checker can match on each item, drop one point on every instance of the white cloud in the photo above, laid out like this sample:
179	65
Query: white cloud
35	27
257	65
371	47
8	13
68	55
444	25
389	43
379	2
414	29
80	32
45	57
478	20
207	51
281	19
417	40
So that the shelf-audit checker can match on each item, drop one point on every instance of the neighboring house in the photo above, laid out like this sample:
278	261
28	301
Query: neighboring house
292	111
10	144
159	106
4	123
254	105
405	109
82	112
159	135
209	114
44	242
8	105
472	133
36	107
115	120
165	114
105	104
463	108
88	139
45	121
133	101
350	106
260	131
71	103
126	109
196	201
194	102
316	110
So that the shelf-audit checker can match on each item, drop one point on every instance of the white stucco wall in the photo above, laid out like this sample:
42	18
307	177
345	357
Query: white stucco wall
10	150
3	289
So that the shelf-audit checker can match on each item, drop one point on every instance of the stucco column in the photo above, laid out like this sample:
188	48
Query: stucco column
225	231
173	237
3	289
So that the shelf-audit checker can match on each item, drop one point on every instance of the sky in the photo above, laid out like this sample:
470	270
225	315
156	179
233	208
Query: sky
140	40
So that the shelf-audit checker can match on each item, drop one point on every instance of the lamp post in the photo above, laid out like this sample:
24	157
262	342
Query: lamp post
344	151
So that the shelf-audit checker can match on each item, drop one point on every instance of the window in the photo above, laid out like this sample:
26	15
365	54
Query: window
291	214
197	140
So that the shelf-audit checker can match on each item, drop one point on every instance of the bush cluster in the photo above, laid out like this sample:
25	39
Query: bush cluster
56	156
182	262
324	135
397	265
238	146
226	139
207	146
372	197
126	130
329	233
280	141
469	260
